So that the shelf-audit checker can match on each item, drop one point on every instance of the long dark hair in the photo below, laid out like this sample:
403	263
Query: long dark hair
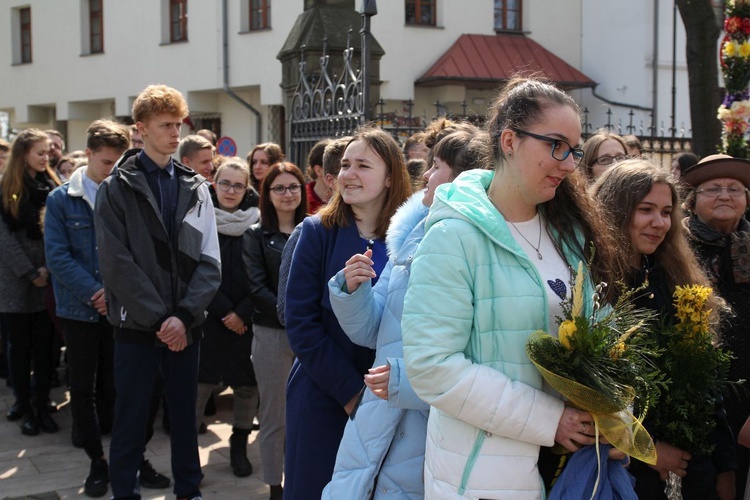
12	186
522	103
620	190
269	219
274	153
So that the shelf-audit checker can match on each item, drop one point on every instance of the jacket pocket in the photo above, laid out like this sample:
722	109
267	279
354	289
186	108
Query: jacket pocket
81	236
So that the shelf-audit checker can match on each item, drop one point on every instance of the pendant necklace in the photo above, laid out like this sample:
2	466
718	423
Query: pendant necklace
538	243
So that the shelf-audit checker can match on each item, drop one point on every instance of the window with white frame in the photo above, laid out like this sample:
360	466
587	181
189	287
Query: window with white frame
508	15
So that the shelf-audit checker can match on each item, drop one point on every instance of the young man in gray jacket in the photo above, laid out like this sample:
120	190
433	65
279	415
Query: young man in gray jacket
159	259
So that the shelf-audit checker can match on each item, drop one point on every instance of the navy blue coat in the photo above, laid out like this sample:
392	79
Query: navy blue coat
329	369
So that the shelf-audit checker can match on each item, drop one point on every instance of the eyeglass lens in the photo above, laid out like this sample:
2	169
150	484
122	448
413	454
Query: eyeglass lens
292	188
716	191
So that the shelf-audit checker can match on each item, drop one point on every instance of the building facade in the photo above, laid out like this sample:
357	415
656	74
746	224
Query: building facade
68	62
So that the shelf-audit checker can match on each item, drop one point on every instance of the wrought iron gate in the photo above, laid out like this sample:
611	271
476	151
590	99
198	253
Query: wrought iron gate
325	105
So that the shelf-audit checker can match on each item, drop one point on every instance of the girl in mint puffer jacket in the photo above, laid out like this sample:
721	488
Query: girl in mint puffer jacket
497	251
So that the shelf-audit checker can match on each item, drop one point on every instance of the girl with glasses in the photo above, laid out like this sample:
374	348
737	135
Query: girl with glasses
498	245
227	340
327	377
601	151
283	205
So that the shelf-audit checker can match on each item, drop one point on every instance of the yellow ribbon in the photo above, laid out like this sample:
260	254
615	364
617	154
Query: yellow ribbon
622	429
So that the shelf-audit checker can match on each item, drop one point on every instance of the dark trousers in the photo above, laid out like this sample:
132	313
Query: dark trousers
89	351
136	370
30	339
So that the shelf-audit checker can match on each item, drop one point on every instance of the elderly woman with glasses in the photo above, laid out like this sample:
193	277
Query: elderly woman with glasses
602	150
720	235
498	246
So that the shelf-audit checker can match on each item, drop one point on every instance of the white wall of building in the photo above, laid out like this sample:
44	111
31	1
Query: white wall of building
610	42
618	52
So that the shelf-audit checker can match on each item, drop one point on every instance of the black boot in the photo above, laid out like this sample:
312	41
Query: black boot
241	466
277	492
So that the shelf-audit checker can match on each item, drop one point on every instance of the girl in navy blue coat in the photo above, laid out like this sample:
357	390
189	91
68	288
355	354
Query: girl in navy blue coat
327	378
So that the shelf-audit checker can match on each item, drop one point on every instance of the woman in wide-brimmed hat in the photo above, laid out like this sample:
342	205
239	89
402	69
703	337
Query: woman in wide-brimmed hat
720	233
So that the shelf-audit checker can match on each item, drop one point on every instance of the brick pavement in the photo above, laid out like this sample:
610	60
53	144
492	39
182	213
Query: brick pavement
48	467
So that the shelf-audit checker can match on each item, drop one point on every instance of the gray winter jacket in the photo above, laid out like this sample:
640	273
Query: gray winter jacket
21	257
147	277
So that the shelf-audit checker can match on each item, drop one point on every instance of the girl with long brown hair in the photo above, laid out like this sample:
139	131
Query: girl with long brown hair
24	278
327	377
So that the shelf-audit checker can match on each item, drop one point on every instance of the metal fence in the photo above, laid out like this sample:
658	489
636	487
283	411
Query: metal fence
655	143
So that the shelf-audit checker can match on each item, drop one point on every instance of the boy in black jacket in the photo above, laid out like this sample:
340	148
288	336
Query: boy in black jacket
159	259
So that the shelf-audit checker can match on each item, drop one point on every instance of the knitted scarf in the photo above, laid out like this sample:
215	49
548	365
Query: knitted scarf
236	223
737	244
30	206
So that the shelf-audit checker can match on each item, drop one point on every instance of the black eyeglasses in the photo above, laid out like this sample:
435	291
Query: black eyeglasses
292	188
560	149
609	159
225	186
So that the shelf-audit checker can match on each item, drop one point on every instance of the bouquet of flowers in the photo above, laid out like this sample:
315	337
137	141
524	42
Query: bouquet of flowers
601	361
735	65
697	370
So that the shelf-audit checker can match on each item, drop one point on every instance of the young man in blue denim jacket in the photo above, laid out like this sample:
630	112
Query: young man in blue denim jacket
73	260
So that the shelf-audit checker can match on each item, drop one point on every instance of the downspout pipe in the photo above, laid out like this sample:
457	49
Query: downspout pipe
225	58
655	69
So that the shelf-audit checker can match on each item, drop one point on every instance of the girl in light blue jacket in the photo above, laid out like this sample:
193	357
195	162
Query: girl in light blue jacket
382	452
497	252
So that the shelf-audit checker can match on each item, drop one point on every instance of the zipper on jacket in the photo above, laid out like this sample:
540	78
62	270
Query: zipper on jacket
200	205
471	461
123	316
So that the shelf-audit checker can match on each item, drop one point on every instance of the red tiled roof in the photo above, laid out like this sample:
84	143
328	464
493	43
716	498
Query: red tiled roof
483	61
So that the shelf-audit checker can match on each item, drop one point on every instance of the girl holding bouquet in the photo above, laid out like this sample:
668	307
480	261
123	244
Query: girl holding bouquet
490	271
642	202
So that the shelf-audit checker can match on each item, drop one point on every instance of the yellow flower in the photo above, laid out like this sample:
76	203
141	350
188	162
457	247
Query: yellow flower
565	331
745	49
617	350
729	49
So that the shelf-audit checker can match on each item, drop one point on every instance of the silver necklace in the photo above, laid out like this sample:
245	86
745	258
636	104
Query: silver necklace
538	243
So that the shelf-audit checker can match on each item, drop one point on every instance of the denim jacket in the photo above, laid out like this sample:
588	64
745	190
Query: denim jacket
70	247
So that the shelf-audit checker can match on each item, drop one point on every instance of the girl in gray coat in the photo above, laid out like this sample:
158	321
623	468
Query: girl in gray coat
24	188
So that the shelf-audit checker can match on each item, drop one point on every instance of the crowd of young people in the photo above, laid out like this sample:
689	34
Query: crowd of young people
374	322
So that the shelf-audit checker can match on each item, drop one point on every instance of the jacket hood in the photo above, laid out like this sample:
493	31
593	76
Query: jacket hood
75	183
466	199
406	218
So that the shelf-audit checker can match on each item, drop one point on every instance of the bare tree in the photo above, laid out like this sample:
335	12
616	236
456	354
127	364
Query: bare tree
702	29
